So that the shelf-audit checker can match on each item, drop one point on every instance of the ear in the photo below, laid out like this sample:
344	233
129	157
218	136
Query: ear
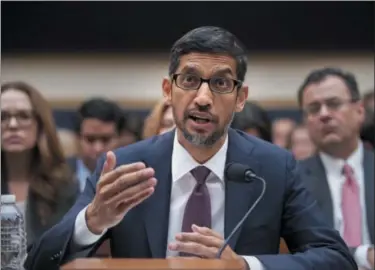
242	96
167	89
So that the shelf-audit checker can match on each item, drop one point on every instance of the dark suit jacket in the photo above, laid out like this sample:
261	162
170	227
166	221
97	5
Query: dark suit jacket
314	176
287	210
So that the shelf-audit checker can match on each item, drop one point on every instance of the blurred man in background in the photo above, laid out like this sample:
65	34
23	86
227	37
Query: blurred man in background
341	175
100	123
281	129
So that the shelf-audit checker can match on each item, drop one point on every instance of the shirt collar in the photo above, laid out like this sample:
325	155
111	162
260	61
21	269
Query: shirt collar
82	171
183	162
336	165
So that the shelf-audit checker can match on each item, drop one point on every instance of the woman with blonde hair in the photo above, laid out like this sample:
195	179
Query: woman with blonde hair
159	121
33	166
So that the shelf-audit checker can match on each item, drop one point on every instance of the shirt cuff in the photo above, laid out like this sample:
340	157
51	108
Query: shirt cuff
360	256
253	262
82	235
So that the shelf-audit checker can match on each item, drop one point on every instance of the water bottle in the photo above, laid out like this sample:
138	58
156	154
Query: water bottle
13	236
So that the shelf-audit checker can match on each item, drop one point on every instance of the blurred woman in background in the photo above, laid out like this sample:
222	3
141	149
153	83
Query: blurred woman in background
33	166
300	144
253	120
159	121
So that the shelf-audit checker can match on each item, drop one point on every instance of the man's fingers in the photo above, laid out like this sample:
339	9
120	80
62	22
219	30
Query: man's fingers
206	231
135	200
111	176
129	193
194	249
126	182
109	163
133	178
208	241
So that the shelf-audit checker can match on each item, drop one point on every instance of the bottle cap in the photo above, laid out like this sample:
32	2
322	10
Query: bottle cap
9	198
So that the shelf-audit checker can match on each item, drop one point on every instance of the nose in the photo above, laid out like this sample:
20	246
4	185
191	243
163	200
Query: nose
324	113
204	96
13	123
98	147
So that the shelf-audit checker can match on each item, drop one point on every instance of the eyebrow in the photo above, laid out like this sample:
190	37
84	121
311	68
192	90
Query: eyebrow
193	69
189	69
224	71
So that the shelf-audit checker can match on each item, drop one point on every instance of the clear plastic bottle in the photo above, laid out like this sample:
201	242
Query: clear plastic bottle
13	236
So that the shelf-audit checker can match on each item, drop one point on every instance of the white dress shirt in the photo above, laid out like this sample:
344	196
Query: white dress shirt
336	179
183	184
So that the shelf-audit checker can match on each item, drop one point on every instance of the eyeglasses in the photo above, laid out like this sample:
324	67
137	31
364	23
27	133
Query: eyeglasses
23	118
217	84
331	105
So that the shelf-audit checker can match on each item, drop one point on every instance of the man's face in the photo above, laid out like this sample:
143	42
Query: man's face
96	138
203	116
330	115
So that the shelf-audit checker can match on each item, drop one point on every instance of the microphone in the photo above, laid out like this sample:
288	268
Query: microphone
241	173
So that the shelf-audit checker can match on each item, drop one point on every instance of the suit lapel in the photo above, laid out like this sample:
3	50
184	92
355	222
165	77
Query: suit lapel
156	208
320	188
238	196
368	168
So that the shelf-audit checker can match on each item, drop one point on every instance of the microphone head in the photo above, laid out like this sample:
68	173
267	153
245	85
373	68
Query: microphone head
237	172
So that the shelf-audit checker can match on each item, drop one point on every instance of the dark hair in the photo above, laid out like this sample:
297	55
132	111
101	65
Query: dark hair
253	116
209	39
319	75
103	110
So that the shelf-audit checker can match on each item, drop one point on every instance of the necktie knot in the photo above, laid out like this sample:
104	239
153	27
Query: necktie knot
200	173
347	170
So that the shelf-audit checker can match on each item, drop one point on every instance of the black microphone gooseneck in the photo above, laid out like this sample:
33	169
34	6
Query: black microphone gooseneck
241	173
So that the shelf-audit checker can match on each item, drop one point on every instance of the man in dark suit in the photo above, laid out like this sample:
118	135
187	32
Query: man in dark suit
168	195
99	124
341	174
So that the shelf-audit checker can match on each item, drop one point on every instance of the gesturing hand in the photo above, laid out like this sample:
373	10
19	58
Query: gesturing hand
117	191
204	242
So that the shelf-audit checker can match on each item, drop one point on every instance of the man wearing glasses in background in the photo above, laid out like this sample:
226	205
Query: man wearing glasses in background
341	175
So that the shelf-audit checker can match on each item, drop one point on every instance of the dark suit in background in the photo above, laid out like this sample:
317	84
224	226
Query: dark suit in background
287	210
